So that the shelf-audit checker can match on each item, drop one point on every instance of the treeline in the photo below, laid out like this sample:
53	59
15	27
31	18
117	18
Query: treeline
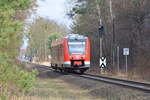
13	79
42	32
126	25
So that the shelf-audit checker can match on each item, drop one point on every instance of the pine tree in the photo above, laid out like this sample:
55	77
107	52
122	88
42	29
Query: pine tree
11	27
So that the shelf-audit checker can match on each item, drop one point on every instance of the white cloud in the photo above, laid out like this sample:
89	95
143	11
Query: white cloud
51	9
54	10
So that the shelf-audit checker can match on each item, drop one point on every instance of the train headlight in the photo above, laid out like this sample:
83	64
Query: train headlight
71	57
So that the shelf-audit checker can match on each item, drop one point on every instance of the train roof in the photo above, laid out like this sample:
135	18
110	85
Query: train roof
69	36
75	36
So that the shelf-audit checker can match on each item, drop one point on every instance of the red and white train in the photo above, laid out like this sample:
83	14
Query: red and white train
71	53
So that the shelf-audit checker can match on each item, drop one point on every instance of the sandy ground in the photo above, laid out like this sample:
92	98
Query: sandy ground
68	87
46	63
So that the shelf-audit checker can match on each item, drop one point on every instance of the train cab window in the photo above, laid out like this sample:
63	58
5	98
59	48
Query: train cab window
77	47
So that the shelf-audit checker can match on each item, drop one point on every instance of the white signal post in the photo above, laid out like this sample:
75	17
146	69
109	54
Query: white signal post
126	53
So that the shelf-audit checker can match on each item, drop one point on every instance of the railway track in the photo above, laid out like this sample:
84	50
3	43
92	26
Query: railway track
132	84
127	83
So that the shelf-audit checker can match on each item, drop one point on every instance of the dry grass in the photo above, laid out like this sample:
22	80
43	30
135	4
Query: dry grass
50	98
54	86
56	89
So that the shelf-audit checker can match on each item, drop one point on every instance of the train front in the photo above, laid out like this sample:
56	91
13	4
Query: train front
77	52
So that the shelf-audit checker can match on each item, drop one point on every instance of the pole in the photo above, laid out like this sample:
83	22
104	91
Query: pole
118	59
113	33
100	22
99	13
101	39
126	64
113	58
101	69
101	53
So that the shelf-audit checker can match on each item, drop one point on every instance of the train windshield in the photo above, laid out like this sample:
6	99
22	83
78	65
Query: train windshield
77	47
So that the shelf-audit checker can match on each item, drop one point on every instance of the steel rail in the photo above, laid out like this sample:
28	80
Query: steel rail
132	84
123	82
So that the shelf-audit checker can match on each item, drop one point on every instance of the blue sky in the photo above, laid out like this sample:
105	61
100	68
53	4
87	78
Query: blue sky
54	10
